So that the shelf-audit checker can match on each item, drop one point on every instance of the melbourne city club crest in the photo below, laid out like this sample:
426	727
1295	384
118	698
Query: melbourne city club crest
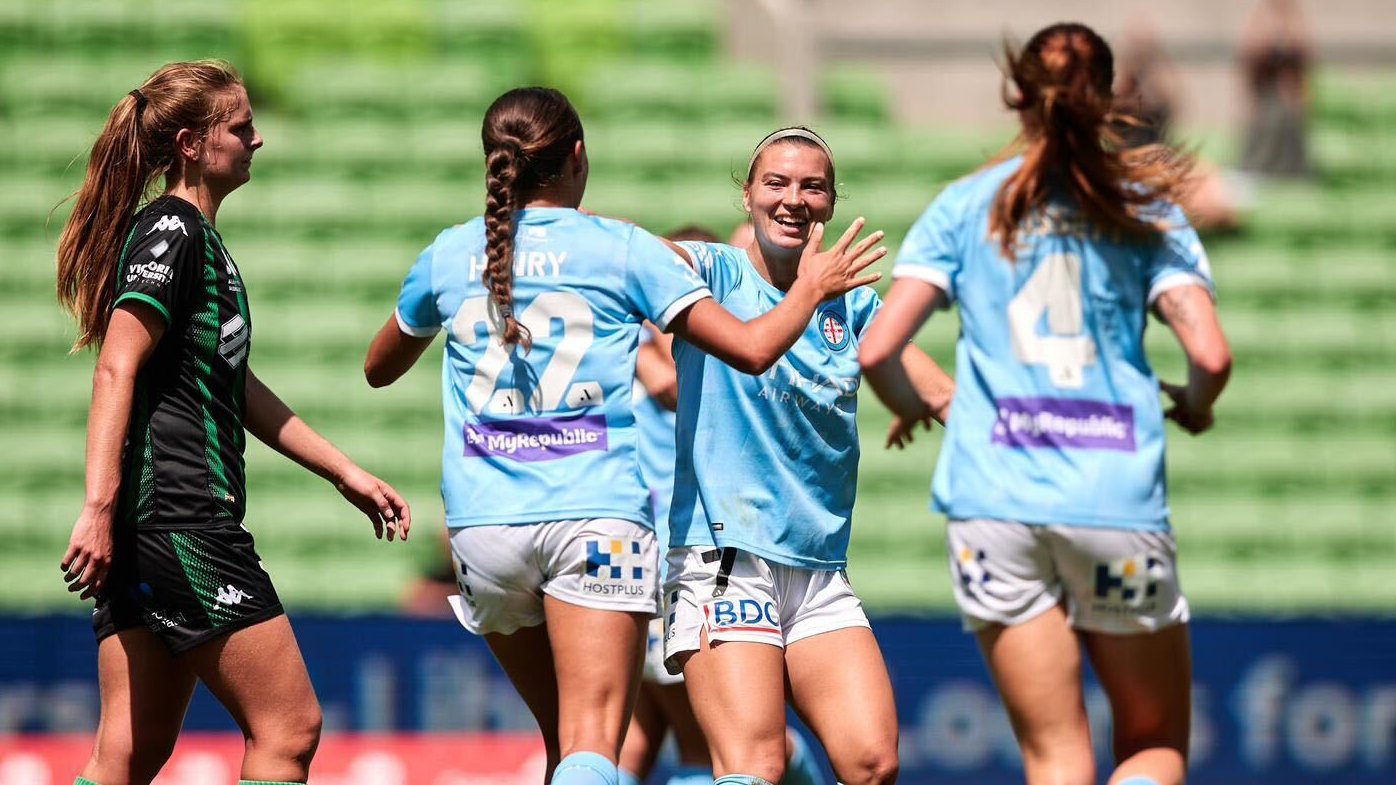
834	330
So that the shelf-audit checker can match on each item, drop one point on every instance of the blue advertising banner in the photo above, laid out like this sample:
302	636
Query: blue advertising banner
1275	702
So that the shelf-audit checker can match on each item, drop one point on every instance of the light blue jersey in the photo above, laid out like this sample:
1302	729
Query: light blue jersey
1056	416
769	464
547	434
655	425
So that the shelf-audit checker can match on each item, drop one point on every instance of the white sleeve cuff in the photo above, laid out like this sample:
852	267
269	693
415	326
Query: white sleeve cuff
1174	280
930	275
415	332
679	306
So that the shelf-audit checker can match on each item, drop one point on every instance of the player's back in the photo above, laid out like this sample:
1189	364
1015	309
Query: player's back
547	432
1056	417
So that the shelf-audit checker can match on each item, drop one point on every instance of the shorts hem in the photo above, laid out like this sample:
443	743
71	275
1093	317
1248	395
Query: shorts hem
649	606
241	623
820	629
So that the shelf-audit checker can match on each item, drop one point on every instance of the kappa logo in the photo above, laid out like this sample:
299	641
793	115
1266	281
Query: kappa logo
834	330
231	595
168	223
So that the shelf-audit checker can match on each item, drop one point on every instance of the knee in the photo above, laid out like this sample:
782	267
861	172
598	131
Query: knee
1061	770
294	735
873	767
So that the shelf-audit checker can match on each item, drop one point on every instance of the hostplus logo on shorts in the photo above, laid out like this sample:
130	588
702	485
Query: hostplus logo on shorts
969	566
1128	585
615	567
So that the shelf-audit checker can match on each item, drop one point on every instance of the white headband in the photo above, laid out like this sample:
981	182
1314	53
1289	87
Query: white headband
787	133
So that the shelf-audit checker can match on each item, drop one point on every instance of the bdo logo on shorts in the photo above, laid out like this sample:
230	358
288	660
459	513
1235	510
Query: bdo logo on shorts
742	616
1132	581
614	566
834	330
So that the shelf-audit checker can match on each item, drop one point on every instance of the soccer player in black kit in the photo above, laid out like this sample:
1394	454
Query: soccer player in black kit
181	593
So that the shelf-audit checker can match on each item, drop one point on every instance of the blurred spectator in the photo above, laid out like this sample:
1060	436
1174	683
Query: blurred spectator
1276	54
1148	89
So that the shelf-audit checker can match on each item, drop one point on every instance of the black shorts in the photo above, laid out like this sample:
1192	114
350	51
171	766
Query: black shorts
187	585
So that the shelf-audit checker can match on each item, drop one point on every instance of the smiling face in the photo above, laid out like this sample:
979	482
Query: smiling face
790	189
226	154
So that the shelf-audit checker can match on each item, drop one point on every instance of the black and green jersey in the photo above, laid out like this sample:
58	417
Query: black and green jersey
183	463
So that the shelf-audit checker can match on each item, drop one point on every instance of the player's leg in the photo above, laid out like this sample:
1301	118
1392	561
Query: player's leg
1010	594
526	657
643	738
145	692
1132	616
258	674
596	655
838	681
1148	678
738	696
695	762
1037	668
599	595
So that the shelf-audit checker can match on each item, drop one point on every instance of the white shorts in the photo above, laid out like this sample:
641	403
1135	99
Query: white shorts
738	596
1113	580
655	672
504	571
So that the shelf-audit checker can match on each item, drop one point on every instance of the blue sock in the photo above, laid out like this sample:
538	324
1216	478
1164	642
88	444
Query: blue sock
802	768
585	768
741	779
1138	780
626	778
691	775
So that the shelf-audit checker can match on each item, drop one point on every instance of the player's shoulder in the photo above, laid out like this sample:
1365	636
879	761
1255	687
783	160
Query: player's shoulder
982	184
169	216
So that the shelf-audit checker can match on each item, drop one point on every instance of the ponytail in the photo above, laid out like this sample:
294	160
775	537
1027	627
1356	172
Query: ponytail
529	134
501	178
1063	82
136	146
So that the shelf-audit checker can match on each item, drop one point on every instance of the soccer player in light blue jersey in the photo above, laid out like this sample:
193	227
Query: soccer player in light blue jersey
663	704
756	593
550	522
1052	472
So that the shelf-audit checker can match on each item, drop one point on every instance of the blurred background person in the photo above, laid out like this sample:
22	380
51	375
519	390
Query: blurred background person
1276	57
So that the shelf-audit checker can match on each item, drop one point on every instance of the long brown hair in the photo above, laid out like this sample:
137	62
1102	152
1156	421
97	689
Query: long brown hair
136	145
1062	79
529	133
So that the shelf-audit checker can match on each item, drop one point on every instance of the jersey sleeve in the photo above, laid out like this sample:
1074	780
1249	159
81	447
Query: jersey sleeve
161	265
658	281
1179	260
863	306
929	252
416	303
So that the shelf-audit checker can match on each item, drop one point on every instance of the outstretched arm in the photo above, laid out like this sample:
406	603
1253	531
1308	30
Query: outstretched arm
273	422
753	347
1190	313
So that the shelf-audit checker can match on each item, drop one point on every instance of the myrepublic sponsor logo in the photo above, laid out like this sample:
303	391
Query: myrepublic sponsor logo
536	439
1064	423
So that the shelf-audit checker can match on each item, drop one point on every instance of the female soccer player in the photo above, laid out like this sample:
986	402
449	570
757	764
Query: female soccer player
662	704
1052	469
756	595
550	521
181	594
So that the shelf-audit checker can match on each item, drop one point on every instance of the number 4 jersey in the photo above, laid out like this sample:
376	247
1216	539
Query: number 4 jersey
549	433
1056	416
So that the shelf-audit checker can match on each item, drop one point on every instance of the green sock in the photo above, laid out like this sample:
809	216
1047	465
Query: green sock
267	782
83	781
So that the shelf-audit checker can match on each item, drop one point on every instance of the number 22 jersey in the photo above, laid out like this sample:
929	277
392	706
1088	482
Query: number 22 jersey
1056	417
548	433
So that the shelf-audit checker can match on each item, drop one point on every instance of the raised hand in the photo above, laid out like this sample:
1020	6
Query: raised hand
836	271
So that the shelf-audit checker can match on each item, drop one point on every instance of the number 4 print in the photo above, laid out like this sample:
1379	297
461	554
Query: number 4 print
552	391
1054	288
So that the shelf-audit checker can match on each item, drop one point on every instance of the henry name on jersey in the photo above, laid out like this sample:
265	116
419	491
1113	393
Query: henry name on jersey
784	384
526	263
